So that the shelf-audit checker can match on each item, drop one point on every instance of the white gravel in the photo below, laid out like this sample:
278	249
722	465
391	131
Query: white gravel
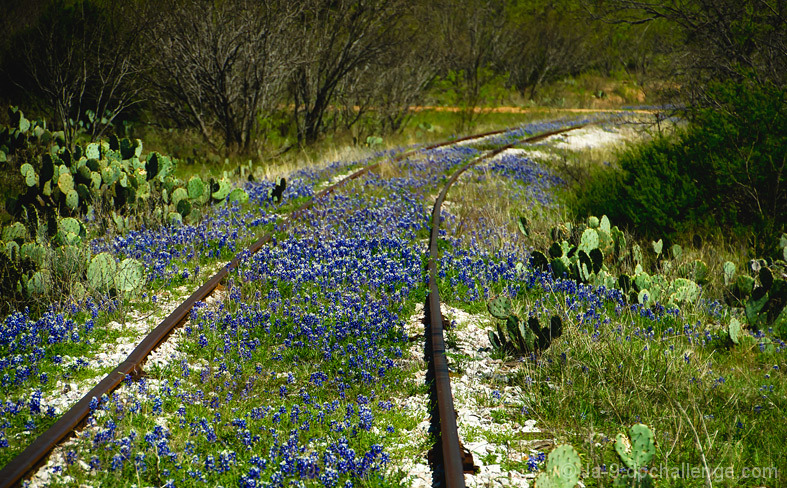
67	394
478	392
592	137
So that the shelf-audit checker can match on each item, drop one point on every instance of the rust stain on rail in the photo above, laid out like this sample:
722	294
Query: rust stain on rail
448	458
34	455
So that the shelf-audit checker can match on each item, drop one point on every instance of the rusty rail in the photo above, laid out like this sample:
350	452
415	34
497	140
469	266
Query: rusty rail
454	464
13	472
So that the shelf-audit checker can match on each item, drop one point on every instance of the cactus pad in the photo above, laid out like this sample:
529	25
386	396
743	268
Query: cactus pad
238	195
524	226
589	240
638	449
72	199
130	275
15	232
184	207
40	283
560	267
92	151
101	272
735	331
539	261
555	250
223	191
179	194
766	277
562	469
597	256
729	272
174	219
605	224
196	188
500	307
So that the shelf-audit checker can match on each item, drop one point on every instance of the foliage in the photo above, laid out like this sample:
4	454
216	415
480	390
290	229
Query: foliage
59	187
726	169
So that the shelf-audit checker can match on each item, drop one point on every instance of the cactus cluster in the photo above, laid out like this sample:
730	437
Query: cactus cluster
520	338
589	253
562	469
57	249
636	451
60	185
761	292
113	173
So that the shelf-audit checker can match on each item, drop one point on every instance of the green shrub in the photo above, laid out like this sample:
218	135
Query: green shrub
726	169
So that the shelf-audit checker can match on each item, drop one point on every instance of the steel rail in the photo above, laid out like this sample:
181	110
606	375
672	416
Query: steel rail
451	451
33	455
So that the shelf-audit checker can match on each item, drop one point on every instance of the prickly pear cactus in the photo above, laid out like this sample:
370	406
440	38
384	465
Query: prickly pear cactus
71	225
539	261
34	252
92	151
130	275
657	247
238	195
196	188
729	272
593	222
560	267
636	451
638	448
72	199
276	193
184	208
636	253
735	331
524	226
562	470
174	219
29	174
101	272
589	240
179	194
15	232
604	224
40	283
223	191
500	307
677	251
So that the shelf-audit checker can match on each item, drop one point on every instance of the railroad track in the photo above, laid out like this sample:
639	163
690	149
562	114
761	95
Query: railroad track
451	459
33	456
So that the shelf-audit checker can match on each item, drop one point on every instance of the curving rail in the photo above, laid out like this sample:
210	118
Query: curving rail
450	452
13	472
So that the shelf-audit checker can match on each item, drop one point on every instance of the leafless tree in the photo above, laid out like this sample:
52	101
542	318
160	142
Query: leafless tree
724	39
542	47
377	97
336	38
468	33
82	59
219	65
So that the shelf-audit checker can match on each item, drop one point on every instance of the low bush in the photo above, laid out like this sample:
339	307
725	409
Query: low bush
726	169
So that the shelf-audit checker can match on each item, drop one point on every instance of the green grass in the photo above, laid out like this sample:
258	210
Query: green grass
710	403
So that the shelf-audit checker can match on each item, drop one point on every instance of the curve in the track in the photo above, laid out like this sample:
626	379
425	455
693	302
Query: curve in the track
450	454
13	472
